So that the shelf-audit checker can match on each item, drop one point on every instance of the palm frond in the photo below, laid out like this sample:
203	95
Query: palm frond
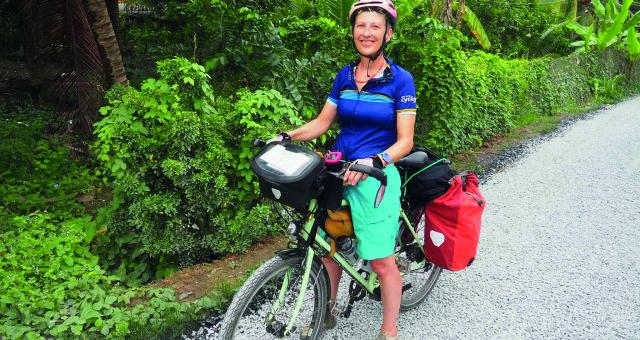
338	10
476	27
62	44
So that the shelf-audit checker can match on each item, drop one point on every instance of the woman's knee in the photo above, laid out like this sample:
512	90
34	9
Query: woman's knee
385	266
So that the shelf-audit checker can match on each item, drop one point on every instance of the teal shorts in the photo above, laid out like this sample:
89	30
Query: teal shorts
376	229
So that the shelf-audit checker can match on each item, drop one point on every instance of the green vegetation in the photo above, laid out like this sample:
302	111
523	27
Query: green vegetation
194	198
166	181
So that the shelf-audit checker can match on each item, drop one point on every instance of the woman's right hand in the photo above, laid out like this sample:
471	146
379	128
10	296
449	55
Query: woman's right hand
353	177
279	138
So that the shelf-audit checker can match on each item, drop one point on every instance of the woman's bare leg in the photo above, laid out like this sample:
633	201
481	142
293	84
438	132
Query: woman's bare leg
335	273
391	291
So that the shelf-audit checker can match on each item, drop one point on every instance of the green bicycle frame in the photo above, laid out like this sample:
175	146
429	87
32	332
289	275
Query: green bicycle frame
370	283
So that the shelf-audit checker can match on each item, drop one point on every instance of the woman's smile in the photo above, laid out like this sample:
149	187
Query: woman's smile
369	32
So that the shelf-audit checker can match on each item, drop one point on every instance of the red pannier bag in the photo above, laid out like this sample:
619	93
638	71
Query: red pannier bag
452	228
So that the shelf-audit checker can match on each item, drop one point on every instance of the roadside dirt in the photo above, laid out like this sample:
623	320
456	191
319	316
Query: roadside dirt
195	282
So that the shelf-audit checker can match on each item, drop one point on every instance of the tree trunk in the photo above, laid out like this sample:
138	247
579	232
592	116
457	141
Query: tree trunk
459	13
114	15
447	13
105	35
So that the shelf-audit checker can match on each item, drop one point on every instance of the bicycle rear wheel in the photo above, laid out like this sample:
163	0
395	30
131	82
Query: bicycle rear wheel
422	275
263	307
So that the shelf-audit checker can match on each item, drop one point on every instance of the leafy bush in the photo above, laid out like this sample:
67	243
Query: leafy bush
465	98
53	287
179	162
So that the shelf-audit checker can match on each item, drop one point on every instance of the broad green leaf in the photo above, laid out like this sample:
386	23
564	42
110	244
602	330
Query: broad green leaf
635	19
476	27
633	46
579	29
405	8
609	37
598	8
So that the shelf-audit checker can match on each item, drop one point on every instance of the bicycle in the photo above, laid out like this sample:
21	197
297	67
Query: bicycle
270	303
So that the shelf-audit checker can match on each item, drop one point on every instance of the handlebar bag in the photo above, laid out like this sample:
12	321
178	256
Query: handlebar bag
289	173
452	227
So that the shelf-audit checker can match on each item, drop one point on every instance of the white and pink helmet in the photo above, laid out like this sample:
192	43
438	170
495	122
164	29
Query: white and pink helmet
385	5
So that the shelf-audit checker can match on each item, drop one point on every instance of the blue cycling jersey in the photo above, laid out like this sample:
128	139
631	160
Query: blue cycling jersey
368	117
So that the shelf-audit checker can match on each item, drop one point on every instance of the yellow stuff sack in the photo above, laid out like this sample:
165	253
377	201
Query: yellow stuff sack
338	224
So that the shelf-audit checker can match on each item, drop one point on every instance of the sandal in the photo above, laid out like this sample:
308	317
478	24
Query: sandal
385	336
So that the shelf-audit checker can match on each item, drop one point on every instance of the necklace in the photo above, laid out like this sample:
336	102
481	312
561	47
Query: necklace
369	77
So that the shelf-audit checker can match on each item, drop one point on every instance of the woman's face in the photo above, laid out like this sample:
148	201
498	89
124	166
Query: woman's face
368	32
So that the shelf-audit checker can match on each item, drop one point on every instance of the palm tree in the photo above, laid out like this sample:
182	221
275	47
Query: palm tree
72	51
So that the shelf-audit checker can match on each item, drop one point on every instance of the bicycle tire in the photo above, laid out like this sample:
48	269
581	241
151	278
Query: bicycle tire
261	290
425	275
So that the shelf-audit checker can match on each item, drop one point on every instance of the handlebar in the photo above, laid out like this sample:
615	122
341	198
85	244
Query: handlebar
371	171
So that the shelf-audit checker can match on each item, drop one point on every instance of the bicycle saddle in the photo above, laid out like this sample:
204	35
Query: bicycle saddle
414	160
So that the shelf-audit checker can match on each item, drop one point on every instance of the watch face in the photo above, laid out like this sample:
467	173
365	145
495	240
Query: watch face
387	157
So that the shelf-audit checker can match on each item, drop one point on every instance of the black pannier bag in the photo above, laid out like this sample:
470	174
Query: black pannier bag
289	173
428	181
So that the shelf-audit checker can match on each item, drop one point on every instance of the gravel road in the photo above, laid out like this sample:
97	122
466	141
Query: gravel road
559	254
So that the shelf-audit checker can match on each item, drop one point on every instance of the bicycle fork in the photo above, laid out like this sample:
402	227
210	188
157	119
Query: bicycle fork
271	322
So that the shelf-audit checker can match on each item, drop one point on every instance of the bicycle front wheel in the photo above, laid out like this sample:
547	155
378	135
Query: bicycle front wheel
421	275
265	304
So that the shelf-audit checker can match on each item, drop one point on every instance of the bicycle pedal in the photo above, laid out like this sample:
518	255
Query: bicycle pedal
404	266
337	311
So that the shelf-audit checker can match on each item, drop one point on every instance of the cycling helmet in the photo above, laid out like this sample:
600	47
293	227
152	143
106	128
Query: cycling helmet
386	7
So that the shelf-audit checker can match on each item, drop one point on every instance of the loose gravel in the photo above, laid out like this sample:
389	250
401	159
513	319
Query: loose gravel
559	254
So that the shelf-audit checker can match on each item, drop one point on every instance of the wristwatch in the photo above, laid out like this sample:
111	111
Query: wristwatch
381	160
386	158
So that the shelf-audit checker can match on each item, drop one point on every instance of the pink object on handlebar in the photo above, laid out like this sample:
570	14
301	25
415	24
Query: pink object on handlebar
333	157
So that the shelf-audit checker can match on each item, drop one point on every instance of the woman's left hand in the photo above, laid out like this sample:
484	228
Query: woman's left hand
352	177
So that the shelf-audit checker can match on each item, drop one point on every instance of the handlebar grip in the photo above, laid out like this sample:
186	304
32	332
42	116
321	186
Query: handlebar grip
371	171
259	143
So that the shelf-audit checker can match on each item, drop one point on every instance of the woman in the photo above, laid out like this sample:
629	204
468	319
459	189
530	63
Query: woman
374	102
